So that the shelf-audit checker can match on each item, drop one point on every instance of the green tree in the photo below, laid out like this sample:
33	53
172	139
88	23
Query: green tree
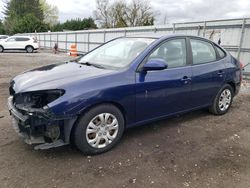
75	24
17	15
2	31
29	23
50	13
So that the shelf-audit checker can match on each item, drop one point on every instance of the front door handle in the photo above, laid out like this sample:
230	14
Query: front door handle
186	79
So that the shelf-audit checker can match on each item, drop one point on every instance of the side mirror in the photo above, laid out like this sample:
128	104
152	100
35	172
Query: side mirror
155	64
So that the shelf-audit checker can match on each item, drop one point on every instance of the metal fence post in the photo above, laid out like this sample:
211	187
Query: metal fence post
66	42
173	27
104	36
88	42
50	40
76	38
57	40
204	28
39	43
199	30
241	38
76	43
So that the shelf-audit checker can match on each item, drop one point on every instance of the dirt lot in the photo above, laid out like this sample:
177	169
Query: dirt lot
194	150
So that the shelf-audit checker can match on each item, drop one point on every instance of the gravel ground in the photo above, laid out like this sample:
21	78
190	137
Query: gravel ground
193	150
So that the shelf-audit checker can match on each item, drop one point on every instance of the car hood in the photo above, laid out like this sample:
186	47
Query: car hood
55	76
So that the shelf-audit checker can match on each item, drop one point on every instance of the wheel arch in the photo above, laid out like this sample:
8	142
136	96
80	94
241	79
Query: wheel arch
29	45
116	104
233	85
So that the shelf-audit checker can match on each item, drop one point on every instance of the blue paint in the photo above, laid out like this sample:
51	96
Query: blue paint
142	96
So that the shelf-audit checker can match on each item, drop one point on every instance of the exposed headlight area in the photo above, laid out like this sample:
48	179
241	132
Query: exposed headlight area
34	121
35	100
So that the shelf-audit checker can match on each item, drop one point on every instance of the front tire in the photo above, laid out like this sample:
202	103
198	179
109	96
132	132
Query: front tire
99	129
222	101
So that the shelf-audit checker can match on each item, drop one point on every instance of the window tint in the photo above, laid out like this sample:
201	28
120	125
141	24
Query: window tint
203	52
11	39
220	51
173	52
117	53
22	39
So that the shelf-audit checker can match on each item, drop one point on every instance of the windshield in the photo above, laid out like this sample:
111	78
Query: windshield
118	53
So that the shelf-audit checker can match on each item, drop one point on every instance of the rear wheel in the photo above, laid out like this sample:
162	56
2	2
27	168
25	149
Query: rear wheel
99	129
1	49
222	101
29	49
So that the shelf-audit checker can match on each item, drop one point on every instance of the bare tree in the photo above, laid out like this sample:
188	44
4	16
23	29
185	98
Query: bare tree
119	14
139	13
123	14
50	13
103	14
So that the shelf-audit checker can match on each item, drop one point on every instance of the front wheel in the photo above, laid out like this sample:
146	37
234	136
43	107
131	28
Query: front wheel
99	129
222	101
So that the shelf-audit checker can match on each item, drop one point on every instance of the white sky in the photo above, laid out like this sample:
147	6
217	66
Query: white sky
171	10
73	8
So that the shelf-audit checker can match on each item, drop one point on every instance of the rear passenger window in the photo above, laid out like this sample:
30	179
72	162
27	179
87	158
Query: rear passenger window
203	52
22	39
221	52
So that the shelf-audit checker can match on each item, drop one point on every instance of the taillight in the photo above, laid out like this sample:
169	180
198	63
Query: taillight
241	65
34	40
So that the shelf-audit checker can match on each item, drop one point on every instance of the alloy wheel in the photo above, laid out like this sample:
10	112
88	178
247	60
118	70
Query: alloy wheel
102	130
225	99
29	49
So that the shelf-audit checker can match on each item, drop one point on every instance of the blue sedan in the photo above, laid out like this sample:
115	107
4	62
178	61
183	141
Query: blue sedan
125	82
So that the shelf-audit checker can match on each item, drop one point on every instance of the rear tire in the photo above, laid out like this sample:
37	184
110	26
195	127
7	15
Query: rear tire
1	49
99	129
222	101
29	49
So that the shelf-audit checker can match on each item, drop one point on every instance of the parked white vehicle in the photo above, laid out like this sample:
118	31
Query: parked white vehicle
2	37
19	43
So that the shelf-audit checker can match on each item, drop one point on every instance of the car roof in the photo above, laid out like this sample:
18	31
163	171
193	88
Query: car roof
162	35
21	36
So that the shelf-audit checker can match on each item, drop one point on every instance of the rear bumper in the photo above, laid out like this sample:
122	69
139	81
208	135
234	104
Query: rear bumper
40	128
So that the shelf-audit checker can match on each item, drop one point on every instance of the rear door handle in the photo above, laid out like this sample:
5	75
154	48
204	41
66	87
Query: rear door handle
220	73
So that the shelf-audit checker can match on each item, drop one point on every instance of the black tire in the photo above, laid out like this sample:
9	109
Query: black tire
80	138
29	49
1	49
215	108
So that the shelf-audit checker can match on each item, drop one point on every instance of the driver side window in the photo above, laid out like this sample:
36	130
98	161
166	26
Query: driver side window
173	52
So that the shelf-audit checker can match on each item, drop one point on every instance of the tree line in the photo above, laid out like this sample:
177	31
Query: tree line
27	16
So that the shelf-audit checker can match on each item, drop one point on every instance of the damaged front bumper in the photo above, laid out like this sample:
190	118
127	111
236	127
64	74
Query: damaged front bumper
41	127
